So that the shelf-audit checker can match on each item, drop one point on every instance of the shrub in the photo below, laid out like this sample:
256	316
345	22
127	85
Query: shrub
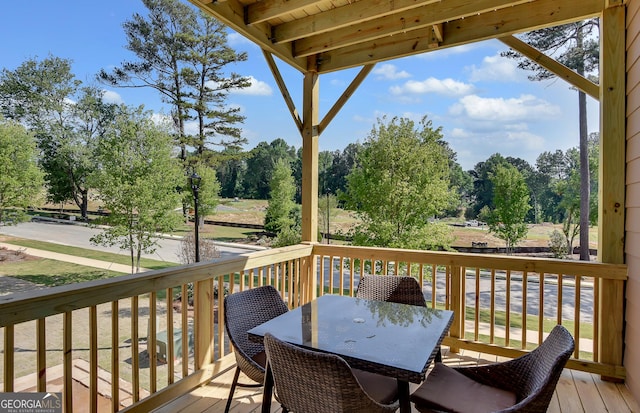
187	253
558	244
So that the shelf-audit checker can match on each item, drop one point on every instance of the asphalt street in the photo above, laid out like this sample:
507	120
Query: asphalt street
80	235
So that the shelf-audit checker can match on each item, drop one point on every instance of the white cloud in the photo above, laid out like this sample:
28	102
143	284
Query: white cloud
161	118
235	39
447	87
504	110
109	96
524	139
390	72
459	133
191	127
494	68
257	88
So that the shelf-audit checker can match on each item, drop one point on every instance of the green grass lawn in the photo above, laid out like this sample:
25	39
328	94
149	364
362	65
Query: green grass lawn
219	232
52	273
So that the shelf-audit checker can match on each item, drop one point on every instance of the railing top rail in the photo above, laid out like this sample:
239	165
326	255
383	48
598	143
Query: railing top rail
529	264
32	305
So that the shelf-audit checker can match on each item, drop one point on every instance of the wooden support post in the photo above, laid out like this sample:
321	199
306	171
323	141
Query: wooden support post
203	324
310	137
457	304
612	181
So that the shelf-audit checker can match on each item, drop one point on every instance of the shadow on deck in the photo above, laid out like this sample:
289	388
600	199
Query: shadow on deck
577	391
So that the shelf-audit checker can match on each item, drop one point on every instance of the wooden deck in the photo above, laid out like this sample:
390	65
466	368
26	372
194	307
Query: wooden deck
576	392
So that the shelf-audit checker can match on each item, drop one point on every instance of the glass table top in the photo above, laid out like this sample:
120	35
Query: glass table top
393	339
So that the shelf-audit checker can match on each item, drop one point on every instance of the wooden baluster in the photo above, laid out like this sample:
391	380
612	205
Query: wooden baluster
9	351
525	282
115	356
492	309
457	304
41	354
67	361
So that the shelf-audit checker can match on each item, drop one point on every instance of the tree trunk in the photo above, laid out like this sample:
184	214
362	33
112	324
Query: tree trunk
585	180
85	205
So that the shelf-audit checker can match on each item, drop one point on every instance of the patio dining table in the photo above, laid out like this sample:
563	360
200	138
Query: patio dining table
395	340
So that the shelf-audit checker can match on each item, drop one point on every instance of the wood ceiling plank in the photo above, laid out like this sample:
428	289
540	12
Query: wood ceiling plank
512	20
265	10
339	17
418	18
231	13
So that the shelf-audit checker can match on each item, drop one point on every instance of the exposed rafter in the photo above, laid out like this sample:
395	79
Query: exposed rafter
481	27
348	33
340	17
398	23
580	82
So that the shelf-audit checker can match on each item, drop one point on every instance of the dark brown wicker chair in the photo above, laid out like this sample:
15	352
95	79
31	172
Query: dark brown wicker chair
396	289
314	382
243	311
524	384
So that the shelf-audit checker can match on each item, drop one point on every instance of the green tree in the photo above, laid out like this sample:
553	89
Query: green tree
279	214
327	209
400	182
551	167
568	190
20	179
137	181
158	41
67	157
261	164
208	193
65	118
230	172
482	193
207	56
511	204
183	54
578	48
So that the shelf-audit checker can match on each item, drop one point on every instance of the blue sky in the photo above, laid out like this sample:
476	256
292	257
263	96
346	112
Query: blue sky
483	103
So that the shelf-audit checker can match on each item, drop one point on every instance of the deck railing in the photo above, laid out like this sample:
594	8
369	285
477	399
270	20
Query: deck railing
503	305
107	334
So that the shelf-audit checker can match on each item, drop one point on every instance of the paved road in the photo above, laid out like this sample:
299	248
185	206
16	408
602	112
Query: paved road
78	236
484	295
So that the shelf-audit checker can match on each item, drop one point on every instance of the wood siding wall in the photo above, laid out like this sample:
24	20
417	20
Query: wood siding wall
632	224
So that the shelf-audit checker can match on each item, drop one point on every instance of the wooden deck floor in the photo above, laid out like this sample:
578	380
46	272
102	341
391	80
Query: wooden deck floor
576	392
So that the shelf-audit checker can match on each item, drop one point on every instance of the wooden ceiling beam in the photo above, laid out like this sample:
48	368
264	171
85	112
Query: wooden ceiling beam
349	91
552	65
500	23
231	13
270	9
339	17
418	18
283	89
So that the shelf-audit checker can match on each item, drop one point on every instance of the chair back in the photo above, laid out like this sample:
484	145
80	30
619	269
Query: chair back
313	382
541	370
396	289
243	311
